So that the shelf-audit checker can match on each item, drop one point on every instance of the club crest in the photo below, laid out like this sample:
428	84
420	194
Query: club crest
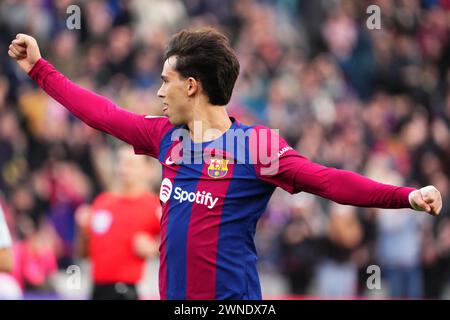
218	168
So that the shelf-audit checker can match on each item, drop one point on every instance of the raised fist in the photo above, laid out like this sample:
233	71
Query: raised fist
25	50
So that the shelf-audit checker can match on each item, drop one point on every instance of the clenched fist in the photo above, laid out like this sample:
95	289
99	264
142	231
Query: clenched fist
426	199
25	50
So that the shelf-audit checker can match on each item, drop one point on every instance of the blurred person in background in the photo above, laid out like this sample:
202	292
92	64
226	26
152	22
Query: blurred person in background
120	230
399	239
399	253
300	248
36	243
37	259
9	286
337	273
6	255
436	245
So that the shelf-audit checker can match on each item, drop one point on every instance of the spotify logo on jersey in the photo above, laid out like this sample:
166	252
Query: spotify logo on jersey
200	197
166	190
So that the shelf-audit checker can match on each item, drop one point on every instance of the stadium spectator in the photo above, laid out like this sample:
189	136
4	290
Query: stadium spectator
6	256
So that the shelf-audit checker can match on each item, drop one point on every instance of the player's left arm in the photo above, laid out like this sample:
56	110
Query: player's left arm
294	173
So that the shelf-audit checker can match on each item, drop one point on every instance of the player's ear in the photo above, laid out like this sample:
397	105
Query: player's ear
192	86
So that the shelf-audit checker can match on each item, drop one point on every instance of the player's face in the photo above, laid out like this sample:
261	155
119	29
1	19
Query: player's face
174	94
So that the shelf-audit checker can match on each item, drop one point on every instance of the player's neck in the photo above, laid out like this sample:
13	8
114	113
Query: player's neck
209	123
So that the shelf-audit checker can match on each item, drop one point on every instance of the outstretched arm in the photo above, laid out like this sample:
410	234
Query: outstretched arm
95	110
294	173
350	188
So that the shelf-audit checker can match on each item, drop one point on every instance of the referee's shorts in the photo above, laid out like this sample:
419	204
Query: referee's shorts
114	291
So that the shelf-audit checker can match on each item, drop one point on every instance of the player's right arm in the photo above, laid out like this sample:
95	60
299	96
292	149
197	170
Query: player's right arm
95	110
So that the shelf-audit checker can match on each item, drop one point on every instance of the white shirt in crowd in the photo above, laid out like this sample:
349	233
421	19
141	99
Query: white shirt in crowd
5	237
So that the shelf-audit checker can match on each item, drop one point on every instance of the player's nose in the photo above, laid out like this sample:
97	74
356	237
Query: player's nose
161	93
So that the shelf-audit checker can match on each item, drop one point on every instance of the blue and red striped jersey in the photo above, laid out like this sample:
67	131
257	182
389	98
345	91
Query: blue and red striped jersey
213	194
210	207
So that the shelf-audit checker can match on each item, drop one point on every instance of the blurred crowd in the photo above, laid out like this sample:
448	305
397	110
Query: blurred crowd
372	101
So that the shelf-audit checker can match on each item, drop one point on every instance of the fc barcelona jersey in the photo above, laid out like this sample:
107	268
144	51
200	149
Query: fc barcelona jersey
212	197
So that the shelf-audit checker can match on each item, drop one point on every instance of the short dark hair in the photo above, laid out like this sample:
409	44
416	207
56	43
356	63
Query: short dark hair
207	56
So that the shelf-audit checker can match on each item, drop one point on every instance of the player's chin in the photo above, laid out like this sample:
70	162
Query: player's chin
174	120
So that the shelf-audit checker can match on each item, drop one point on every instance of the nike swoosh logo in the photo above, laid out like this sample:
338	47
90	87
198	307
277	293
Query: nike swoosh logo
169	161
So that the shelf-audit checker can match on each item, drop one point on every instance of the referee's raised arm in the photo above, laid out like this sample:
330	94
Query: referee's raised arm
93	109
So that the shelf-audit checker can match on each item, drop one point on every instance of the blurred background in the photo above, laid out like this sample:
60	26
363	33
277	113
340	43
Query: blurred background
372	101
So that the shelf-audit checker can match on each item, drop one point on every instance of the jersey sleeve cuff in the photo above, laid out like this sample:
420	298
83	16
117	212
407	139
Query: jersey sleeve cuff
34	72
